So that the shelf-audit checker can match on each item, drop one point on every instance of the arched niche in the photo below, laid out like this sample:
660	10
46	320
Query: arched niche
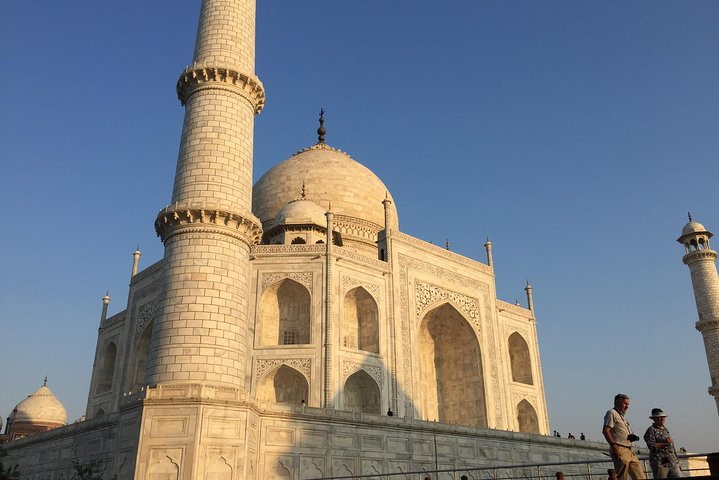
285	314
361	394
107	368
360	321
139	358
450	369
519	359
527	418
284	385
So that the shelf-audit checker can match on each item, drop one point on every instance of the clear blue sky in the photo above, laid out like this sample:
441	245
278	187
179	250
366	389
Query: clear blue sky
575	134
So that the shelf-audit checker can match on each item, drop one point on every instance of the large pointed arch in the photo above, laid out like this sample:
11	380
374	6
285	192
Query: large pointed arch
520	359
360	321
527	418
285	314
107	368
283	385
362	394
451	376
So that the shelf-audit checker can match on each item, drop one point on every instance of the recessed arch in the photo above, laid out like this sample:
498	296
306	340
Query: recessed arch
362	394
450	369
519	359
283	385
285	314
107	368
139	358
360	321
527	418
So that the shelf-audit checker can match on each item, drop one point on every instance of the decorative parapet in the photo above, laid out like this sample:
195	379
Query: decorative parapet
516	309
197	77
178	218
360	258
704	325
293	248
194	392
699	255
447	254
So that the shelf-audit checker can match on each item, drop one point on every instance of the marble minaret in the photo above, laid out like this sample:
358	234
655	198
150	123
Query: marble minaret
701	260
195	421
200	335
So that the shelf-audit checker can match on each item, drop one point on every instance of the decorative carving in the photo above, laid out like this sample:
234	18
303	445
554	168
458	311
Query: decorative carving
302	365
349	283
349	368
196	78
427	294
519	396
175	219
145	314
304	278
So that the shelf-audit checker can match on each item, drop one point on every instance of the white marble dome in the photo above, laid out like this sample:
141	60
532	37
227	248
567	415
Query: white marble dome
693	227
331	179
40	408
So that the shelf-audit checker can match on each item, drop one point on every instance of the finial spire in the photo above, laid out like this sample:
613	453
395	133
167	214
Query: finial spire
690	216
321	131
44	382
303	189
446	244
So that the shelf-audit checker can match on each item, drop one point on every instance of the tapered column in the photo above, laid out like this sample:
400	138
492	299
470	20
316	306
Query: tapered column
201	333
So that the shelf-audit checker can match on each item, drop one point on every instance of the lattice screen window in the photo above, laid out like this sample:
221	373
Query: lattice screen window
289	337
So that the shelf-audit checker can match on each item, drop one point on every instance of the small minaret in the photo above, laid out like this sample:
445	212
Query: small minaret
105	303
530	302
136	260
327	387
488	246
701	260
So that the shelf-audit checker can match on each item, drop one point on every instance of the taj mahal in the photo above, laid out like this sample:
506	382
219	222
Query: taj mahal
292	330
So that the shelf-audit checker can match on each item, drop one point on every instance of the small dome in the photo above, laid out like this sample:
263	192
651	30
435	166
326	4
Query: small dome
40	408
693	227
301	212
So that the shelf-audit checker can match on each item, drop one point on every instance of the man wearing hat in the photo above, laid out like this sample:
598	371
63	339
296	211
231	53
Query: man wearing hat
662	455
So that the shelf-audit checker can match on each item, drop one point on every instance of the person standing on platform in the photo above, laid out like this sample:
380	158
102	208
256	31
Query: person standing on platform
662	455
618	434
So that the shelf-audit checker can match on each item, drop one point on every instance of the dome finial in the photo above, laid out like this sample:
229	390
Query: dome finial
44	382
690	216
303	189
321	131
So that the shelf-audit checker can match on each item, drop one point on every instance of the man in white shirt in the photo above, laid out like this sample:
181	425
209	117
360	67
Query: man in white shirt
618	434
